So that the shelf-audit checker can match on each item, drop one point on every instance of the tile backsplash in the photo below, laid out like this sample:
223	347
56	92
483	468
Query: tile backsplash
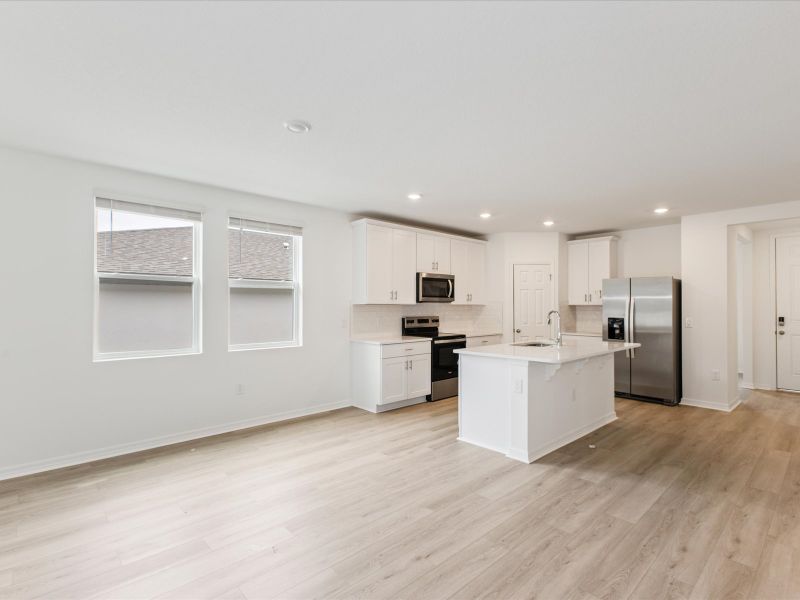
372	319
589	319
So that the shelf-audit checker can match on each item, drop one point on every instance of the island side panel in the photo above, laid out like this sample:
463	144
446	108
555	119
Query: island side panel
568	401
486	388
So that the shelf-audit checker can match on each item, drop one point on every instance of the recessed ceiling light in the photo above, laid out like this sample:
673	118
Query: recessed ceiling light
298	126
485	215
661	211
414	197
548	223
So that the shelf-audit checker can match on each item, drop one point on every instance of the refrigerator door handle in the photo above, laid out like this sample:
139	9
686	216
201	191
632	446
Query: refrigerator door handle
627	326
630	328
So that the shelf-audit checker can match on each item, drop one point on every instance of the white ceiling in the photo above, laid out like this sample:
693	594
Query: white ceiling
589	114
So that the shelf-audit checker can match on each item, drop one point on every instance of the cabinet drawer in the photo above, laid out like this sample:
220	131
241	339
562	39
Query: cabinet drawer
484	340
406	349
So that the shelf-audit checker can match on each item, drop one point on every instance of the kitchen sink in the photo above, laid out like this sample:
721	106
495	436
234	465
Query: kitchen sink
535	344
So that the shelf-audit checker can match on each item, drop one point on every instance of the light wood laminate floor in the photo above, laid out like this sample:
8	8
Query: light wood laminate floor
672	502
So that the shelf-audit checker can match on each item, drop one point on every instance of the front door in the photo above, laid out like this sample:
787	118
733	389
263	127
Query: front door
532	301
787	326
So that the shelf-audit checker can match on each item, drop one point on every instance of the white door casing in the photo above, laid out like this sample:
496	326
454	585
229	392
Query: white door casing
787	303
532	301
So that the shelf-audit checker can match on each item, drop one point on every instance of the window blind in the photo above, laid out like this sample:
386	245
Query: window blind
264	227
148	209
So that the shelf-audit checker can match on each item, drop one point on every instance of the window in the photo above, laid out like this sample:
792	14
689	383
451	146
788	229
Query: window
265	284
146	273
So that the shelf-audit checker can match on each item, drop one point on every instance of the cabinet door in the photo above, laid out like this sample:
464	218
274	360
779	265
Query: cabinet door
426	253
476	259
599	269
578	272
379	265
393	379
461	270
442	250
418	376
403	271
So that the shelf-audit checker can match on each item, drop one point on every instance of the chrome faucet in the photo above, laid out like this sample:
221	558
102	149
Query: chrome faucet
558	329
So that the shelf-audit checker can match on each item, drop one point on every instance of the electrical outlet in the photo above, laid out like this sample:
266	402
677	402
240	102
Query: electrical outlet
689	323
715	375
239	388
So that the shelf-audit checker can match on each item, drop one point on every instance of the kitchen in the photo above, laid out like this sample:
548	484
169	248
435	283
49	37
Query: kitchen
411	283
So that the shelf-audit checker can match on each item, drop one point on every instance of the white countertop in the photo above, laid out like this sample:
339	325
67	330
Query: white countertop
570	350
388	338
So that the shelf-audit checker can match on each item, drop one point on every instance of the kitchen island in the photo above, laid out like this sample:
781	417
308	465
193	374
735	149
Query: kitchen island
526	401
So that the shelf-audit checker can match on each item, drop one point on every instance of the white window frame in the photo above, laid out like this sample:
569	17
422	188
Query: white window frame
195	280
296	284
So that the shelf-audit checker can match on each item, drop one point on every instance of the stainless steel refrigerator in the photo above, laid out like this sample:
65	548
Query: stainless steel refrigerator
645	310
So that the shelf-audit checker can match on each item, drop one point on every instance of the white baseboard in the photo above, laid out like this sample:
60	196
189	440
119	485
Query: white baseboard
79	458
710	405
748	385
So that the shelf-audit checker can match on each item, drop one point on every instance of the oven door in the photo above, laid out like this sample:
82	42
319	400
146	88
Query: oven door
434	287
444	361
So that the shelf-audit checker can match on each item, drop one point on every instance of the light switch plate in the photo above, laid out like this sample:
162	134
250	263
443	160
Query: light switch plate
689	322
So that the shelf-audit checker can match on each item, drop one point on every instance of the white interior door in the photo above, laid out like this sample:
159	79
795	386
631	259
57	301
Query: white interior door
787	281
532	301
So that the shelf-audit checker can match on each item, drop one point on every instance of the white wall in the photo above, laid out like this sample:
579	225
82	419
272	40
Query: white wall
507	249
644	252
649	252
708	252
59	407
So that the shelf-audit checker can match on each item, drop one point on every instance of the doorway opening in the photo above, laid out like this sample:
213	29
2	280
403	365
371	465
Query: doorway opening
764	284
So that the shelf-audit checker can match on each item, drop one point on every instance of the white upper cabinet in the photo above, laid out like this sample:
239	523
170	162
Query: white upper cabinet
404	275
433	254
384	265
386	259
589	262
578	272
468	262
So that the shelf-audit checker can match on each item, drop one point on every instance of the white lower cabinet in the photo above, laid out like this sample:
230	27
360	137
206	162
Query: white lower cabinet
394	380
418	376
390	375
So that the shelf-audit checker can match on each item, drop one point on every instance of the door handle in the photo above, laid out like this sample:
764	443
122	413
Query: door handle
518	330
631	326
781	333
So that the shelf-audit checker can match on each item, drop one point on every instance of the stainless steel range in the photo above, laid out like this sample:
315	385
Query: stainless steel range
444	362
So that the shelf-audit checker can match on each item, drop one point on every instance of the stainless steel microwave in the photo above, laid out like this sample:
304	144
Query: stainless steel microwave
435	287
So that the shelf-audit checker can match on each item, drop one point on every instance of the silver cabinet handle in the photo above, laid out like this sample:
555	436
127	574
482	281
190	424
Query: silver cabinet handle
590	297
585	296
411	362
406	365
